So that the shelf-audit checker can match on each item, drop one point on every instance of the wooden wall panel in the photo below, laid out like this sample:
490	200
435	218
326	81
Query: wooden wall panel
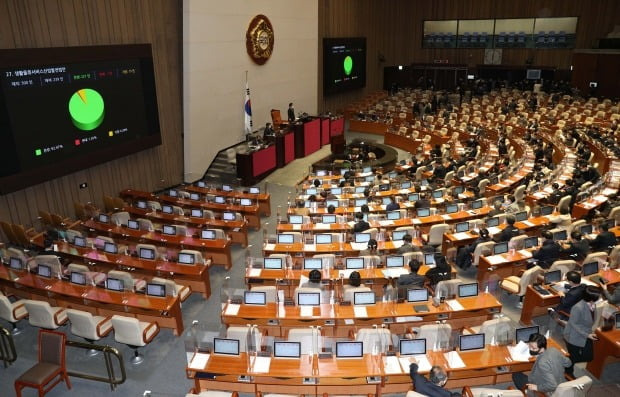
57	23
394	28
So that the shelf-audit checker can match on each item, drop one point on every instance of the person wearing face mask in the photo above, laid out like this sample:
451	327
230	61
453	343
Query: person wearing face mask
578	333
433	386
548	369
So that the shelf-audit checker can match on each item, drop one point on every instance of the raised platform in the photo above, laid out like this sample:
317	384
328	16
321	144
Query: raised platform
357	153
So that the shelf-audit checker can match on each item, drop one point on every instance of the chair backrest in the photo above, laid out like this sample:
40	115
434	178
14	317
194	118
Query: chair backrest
564	202
528	277
574	388
6	309
479	248
77	267
349	293
436	335
614	256
154	205
517	242
435	235
447	288
120	218
52	347
326	258
519	192
595	257
269	290
490	392
52	261
146	224
40	314
82	324
241	333
563	265
408	256
169	285
379	339
304	336
575	226
127	330
371	260
128	281
498	330
197	256
72	234
147	246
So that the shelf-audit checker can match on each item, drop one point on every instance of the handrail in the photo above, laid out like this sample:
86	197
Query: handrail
7	347
108	352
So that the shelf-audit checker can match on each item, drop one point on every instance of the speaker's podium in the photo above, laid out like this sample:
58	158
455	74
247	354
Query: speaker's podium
338	144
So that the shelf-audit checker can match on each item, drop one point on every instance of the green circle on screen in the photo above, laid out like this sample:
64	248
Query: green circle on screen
87	109
348	65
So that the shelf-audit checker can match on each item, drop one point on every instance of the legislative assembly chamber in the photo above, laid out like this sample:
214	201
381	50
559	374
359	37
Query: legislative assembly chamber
310	198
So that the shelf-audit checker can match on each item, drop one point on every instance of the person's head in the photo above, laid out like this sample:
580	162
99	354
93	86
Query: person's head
438	375
301	204
484	233
591	294
537	344
575	235
372	244
547	235
364	208
316	182
315	276
290	105
355	279
604	227
407	239
511	198
497	204
312	198
510	219
268	125
359	216
573	277
414	265
331	209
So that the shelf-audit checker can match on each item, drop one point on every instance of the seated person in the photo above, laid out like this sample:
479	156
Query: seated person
562	220
440	272
464	256
355	280
268	131
548	369
360	225
614	298
604	239
392	206
438	377
423	202
508	232
407	245
549	252
572	295
578	248
371	249
413	279
497	209
314	279
439	171
301	208
331	209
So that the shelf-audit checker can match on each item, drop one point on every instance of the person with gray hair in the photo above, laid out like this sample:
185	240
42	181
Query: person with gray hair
434	385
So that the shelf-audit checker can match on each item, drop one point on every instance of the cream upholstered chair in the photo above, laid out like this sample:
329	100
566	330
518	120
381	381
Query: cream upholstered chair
304	336
72	234
408	256
269	290
595	257
349	293
436	335
241	333
371	337
154	205
145	225
435	234
41	314
614	257
173	289
478	251
120	218
518	285
498	330
448	288
134	333
129	283
482	185
147	247
89	327
564	265
373	232
91	276
198	259
574	388
12	312
328	259
52	261
564	202
490	392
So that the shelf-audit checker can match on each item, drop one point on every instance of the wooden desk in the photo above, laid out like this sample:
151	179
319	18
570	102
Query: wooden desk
264	199
501	266
370	127
217	250
236	230
606	348
345	249
336	319
535	304
99	301
194	276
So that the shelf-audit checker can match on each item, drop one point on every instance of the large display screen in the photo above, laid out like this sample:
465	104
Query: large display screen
65	109
344	64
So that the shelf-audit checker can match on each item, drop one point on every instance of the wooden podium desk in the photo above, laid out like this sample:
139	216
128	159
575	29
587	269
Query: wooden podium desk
264	199
236	230
249	211
489	366
606	349
255	164
338	320
218	250
344	249
502	265
99	301
194	276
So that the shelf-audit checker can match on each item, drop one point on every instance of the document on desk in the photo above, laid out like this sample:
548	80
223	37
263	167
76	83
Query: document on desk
281	308
360	312
454	360
232	309
494	230
398	243
495	259
519	352
394	272
403	191
446	217
296	227
461	235
408	319
269	247
261	365
416	221
391	365
254	272
309	247
306	311
351	223
455	305
359	246
423	364
386	223
198	361
346	273
526	253
321	226
528	223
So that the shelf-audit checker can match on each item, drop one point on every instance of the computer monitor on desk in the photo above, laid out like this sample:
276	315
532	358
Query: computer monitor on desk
471	342
500	248
155	289
134	225
308	298
114	284
196	213
313	263
546	210
409	347
349	349
110	248
354	263
287	349
362	237
399	234
364	298
467	290
186	258
521	216
476	204
166	209
194	196
44	271
323	238
422	212
285	238
553	277
462	227
414	197
395	261
15	263
523	334
429	259
78	278
589	269
452	208
226	346
146	253
417	295
254	298
328	219
295	219
560	235
272	263
169	230
530	242
335	203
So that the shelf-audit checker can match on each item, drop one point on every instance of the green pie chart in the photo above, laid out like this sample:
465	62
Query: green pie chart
348	65
86	108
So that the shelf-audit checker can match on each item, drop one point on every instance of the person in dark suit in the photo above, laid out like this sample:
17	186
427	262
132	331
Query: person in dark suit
578	248
392	206
291	112
433	386
508	232
549	252
573	295
413	279
268	131
360	224
407	246
439	171
423	202
578	333
604	239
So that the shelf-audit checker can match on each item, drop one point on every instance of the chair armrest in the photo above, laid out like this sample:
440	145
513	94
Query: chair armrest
352	334
182	291
145	332
16	308
569	377
71	225
101	324
235	394
60	313
29	231
466	392
521	273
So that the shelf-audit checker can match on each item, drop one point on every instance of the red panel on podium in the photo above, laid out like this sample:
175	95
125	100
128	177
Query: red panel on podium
289	148
312	136
337	126
325	131
264	160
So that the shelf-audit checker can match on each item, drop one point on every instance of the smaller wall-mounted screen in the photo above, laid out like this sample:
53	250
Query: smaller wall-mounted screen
440	34
344	64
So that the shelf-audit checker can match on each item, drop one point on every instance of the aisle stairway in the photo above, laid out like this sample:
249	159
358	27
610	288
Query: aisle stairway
221	171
